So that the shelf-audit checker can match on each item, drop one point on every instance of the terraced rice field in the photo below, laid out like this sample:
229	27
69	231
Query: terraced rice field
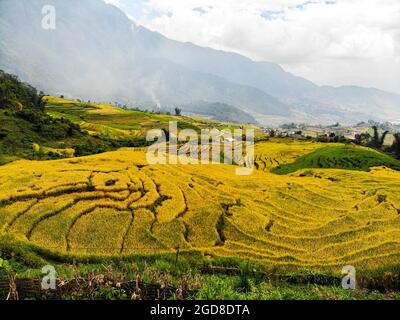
109	122
273	154
115	204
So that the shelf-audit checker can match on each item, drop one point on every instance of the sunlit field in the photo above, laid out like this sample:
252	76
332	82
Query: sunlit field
196	151
114	204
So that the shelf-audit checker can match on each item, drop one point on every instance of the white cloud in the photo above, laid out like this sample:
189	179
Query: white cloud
330	42
113	2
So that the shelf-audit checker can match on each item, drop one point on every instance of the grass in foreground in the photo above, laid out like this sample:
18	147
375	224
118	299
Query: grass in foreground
113	280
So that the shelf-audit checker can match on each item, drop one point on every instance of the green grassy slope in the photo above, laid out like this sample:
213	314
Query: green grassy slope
103	119
28	132
106	120
340	157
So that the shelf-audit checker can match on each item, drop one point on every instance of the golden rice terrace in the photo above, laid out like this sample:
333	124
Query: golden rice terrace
115	204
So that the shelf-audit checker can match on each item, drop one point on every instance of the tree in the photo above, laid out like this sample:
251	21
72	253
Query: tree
377	139
395	148
363	138
5	94
166	133
178	111
272	133
41	103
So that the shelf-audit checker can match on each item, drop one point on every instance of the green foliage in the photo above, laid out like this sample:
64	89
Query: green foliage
186	125
395	148
24	122
27	260
109	293
21	129
244	282
340	157
223	287
363	138
378	140
272	133
17	251
178	111
4	265
18	96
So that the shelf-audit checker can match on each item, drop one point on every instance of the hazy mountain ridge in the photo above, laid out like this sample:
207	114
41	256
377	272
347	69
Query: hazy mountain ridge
299	93
96	52
219	111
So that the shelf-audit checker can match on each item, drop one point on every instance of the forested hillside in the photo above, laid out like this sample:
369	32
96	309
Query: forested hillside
26	131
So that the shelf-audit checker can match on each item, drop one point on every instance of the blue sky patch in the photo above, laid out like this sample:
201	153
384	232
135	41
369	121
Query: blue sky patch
272	15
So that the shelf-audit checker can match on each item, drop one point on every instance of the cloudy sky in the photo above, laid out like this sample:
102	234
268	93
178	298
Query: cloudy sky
335	42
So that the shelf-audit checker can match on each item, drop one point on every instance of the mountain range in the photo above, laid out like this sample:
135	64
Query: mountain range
97	53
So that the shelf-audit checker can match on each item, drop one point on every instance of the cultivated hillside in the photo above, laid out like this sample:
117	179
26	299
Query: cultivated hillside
27	131
116	205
